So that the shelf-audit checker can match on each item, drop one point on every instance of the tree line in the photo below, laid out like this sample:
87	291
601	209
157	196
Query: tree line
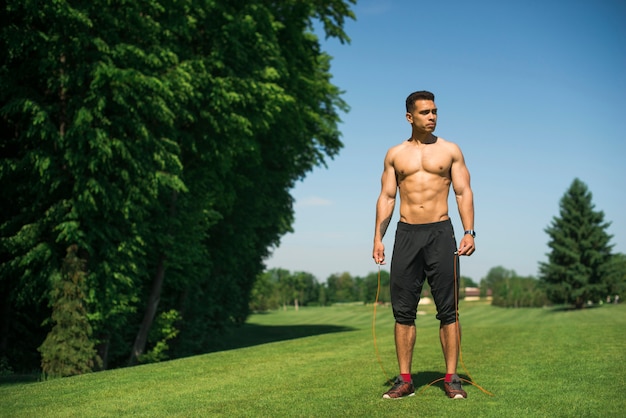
581	269
147	156
278	288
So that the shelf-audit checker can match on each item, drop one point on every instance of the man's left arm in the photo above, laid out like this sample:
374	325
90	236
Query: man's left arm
464	199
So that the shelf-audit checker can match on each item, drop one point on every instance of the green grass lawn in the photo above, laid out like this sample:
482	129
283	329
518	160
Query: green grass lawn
321	362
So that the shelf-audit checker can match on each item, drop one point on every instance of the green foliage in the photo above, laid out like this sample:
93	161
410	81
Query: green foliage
616	278
342	288
5	367
264	295
156	137
519	292
163	330
464	282
279	287
578	269
373	283
512	291
467	282
68	349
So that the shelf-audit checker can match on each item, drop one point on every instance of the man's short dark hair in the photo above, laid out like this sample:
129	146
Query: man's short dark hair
417	95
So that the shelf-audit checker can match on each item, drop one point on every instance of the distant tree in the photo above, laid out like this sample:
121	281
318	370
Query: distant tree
512	291
518	292
264	295
468	282
282	285
278	286
306	288
342	288
371	287
322	301
495	275
464	282
579	264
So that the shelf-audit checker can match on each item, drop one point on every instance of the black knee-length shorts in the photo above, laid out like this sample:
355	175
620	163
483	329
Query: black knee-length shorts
420	252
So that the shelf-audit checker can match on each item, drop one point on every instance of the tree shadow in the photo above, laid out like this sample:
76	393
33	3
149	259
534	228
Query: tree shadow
249	335
246	335
19	378
568	308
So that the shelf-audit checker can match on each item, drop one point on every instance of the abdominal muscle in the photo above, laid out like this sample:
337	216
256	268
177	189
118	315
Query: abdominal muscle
424	204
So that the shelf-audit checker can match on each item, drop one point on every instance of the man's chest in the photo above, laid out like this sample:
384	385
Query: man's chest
429	160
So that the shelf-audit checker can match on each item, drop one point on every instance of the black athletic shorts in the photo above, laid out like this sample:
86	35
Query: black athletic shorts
424	251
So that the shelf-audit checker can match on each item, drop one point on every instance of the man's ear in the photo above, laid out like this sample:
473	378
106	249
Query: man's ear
409	117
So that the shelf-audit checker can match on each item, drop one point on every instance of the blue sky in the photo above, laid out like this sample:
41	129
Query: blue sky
534	93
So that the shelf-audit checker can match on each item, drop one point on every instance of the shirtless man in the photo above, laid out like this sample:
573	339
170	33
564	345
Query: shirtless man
422	169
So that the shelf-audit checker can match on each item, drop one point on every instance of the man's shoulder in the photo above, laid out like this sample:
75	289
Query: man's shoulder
453	147
398	147
402	144
444	141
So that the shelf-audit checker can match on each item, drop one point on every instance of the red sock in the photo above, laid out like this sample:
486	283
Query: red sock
406	377
449	377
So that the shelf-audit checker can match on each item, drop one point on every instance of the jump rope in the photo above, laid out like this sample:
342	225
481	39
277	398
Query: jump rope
458	334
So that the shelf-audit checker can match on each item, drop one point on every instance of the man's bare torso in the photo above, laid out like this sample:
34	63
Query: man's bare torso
423	175
423	168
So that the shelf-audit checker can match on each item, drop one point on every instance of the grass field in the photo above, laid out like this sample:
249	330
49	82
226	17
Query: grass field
321	362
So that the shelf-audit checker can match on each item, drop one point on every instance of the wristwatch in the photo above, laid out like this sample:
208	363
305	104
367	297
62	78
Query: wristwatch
471	232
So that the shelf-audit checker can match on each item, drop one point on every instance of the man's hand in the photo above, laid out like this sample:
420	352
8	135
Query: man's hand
467	246
379	253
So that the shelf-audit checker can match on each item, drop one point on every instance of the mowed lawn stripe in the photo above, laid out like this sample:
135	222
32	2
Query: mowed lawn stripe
322	362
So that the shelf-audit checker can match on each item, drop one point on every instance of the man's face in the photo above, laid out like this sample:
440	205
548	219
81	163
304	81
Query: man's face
424	116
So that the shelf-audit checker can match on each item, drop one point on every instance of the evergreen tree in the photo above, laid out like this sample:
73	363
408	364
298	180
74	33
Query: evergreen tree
616	283
579	265
68	349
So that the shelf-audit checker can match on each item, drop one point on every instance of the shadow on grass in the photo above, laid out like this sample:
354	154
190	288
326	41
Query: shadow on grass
422	381
250	334
245	336
567	308
19	378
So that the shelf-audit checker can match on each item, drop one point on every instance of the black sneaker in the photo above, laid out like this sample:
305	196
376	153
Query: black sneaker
400	389
453	388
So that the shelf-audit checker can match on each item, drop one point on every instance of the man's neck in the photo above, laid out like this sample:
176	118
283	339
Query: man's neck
423	138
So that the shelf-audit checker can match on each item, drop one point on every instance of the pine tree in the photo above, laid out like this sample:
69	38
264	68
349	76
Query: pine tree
579	264
68	350
616	283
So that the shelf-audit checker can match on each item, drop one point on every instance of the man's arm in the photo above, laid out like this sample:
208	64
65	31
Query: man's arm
464	199
384	208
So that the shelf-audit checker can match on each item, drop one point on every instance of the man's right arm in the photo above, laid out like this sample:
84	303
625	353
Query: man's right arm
384	208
